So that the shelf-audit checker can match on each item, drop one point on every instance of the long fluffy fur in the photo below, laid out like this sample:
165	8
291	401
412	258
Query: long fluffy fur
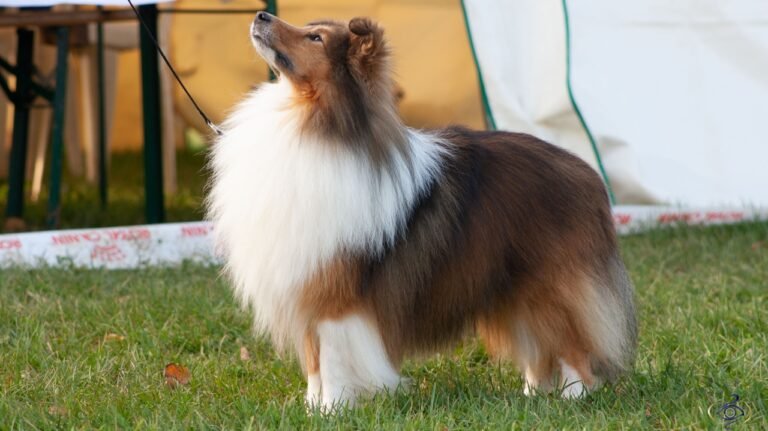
285	204
356	240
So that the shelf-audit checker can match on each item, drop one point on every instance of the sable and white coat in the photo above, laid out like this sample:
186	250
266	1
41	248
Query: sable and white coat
356	240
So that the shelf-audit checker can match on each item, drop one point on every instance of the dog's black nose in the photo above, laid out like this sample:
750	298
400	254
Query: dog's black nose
263	16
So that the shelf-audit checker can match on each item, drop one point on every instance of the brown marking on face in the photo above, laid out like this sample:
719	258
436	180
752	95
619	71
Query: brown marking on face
342	81
299	52
325	55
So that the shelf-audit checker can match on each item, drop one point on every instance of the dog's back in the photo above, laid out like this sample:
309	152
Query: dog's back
515	238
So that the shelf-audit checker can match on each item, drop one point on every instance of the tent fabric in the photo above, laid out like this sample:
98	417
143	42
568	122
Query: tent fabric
431	56
432	60
675	93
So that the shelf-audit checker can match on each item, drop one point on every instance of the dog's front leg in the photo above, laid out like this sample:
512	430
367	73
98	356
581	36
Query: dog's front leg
353	361
312	360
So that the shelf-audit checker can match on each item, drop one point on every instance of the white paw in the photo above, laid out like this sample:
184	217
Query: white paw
573	386
531	385
312	403
314	396
528	390
573	390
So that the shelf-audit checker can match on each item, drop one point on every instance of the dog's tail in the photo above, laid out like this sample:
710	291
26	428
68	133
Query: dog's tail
611	320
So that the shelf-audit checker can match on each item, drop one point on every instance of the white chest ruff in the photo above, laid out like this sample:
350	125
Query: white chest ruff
283	205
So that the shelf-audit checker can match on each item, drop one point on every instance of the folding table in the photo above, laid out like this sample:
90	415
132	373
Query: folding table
27	90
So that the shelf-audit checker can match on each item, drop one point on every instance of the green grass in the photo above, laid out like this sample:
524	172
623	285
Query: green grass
702	296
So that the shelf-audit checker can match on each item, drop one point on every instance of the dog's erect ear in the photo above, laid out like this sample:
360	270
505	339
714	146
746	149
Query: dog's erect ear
362	26
367	47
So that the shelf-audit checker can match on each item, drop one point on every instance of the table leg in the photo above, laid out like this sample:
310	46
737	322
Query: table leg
18	156
57	135
272	9
150	87
102	115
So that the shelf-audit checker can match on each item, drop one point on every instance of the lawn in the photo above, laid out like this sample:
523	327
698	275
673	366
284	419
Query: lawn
86	349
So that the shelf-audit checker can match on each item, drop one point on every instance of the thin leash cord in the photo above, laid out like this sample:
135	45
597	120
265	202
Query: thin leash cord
207	120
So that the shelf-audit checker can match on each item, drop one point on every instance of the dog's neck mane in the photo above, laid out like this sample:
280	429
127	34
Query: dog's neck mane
307	197
362	118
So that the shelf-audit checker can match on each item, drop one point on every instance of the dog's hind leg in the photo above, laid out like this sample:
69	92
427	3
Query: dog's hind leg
544	341
576	377
507	338
563	366
575	333
353	361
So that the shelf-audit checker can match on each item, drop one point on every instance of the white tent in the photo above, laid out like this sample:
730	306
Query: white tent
674	94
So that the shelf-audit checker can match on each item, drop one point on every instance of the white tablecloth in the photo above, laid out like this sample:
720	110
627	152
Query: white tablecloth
40	3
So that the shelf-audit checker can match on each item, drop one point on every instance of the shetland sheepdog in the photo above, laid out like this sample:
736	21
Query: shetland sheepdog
357	241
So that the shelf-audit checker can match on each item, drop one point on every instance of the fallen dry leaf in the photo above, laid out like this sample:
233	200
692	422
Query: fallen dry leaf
113	337
176	375
244	354
757	245
647	410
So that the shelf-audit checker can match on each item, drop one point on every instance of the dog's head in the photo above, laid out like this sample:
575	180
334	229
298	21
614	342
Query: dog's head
322	53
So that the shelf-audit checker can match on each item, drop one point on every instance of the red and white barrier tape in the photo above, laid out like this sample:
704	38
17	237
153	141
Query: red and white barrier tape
637	218
110	248
173	243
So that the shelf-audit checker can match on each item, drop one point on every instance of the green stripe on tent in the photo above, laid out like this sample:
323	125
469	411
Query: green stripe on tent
489	112
489	121
576	106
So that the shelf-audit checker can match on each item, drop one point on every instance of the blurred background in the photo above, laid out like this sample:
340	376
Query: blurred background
435	74
667	101
214	56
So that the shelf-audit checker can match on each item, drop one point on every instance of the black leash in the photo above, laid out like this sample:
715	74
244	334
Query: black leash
207	120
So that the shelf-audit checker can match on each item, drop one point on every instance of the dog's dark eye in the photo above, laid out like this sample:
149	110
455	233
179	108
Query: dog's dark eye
315	37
